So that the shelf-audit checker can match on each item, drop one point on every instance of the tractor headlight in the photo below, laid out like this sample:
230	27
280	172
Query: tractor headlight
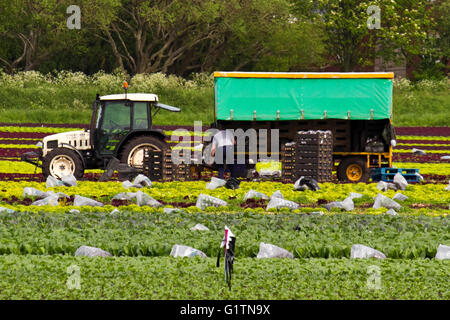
39	144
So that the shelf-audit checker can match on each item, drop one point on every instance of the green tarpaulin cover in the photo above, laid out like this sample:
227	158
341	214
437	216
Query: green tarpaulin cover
240	98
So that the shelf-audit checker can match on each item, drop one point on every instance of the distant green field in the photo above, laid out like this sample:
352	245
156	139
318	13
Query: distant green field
421	108
68	97
47	104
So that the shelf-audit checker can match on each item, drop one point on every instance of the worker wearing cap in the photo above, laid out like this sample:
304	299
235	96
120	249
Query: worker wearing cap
223	152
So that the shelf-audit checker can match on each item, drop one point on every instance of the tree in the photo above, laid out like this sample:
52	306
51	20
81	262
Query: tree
351	43
436	46
295	46
266	35
152	36
31	30
169	36
184	36
404	28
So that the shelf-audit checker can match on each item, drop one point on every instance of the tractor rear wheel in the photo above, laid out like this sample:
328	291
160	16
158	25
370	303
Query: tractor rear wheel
133	152
353	169
61	162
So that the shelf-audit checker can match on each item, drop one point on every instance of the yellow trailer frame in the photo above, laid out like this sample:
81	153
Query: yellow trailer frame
369	156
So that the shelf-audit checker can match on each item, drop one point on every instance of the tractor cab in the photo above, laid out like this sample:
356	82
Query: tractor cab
118	118
114	117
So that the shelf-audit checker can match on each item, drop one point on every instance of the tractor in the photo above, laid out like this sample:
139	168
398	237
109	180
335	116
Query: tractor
120	131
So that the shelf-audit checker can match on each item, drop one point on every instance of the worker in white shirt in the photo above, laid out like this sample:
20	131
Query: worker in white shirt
223	152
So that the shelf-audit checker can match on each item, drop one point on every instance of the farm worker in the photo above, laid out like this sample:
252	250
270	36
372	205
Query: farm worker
223	151
389	135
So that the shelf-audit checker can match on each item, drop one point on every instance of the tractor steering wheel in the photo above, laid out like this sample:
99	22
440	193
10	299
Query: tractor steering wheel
114	125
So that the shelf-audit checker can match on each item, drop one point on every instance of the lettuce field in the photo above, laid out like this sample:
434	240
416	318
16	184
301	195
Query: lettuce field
45	277
37	243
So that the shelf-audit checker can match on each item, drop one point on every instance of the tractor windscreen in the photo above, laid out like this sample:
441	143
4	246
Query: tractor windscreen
116	117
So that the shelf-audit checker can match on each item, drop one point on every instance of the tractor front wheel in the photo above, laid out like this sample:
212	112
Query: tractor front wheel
62	162
353	169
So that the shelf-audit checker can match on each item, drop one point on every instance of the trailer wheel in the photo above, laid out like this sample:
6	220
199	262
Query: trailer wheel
353	169
61	162
133	151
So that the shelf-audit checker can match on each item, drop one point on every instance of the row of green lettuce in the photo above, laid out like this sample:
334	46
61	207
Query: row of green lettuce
305	235
65	277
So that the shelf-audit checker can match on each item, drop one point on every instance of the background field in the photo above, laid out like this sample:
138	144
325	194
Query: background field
67	98
171	49
37	243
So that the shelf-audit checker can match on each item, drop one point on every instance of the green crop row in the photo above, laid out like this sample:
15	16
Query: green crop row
306	236
58	277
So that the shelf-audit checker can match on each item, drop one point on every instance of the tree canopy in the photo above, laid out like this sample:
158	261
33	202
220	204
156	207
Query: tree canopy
185	36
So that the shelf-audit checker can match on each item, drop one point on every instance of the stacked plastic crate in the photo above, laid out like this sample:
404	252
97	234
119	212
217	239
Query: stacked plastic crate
153	164
314	155
159	166
287	162
310	155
